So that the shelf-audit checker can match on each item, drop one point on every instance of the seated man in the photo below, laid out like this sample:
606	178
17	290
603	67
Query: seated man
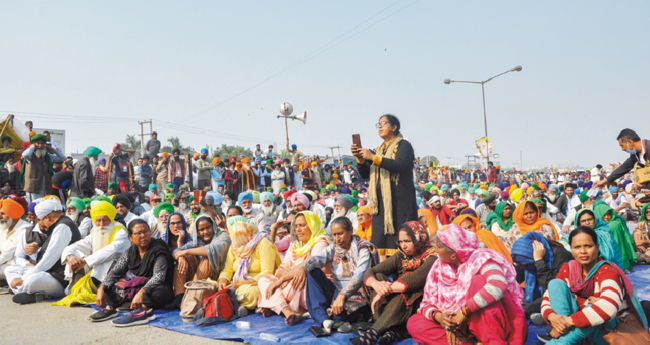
123	206
149	264
11	231
195	211
48	272
105	244
158	222
74	211
343	206
245	201
29	244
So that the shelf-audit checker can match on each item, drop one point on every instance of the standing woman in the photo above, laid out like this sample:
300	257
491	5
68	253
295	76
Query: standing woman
391	191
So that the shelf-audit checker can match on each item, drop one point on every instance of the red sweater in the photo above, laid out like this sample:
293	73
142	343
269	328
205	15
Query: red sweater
608	288
444	214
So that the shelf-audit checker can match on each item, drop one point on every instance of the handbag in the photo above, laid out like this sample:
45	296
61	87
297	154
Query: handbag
219	308
195	292
628	332
642	175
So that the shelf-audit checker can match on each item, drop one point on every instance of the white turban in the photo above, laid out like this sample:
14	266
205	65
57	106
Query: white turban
433	199
47	206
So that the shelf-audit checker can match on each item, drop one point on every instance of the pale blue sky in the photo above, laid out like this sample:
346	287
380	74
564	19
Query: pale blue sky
585	72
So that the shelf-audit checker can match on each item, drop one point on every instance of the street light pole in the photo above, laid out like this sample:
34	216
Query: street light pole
487	139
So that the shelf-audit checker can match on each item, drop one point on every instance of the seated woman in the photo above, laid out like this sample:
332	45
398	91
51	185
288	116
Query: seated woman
471	295
485	237
608	247
251	256
641	240
394	302
540	261
620	232
503	226
149	265
282	293
201	258
527	218
350	258
588	292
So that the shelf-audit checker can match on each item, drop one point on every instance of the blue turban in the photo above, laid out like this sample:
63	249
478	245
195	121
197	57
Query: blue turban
346	190
613	189
204	150
522	252
31	207
102	161
214	198
266	195
294	146
580	183
243	196
463	185
587	185
363	190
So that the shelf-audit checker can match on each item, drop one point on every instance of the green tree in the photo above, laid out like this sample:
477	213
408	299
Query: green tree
175	143
131	143
227	151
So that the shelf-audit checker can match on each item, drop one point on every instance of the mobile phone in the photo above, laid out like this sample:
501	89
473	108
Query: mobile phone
356	140
318	332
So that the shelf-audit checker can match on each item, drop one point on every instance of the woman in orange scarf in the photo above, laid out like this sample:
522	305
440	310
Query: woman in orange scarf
527	218
428	221
489	239
364	216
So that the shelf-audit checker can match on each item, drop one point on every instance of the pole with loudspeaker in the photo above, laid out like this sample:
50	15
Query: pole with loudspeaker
286	109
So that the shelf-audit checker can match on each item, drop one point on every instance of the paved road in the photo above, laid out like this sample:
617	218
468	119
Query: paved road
44	324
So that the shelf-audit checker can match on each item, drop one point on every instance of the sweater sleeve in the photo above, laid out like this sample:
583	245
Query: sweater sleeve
387	268
609	302
493	290
416	279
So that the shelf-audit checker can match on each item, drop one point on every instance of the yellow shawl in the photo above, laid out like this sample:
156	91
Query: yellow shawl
317	233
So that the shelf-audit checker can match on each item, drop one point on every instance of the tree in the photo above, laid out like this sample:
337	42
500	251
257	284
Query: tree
227	151
131	143
175	143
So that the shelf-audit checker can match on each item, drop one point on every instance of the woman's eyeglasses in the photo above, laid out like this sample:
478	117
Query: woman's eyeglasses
381	124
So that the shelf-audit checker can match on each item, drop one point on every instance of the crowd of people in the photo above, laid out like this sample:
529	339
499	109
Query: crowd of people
382	247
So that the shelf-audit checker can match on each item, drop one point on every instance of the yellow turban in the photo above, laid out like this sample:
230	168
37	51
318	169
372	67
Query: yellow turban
530	190
103	208
516	195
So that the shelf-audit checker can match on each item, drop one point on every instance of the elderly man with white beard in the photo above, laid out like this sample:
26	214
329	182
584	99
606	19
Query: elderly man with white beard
245	201
37	168
48	272
181	203
343	206
95	253
74	210
12	228
83	177
229	199
269	211
158	223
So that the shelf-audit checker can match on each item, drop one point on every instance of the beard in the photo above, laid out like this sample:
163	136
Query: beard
74	215
101	235
267	210
226	204
289	209
40	152
6	225
247	210
10	167
183	206
340	213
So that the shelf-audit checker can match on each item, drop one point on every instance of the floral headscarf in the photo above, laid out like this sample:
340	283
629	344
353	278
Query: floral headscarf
447	288
318	234
420	238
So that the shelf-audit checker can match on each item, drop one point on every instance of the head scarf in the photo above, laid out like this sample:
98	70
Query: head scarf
420	238
318	234
447	287
487	237
163	206
166	236
608	247
47	206
103	208
518	217
245	237
642	217
432	225
12	209
499	211
244	196
302	198
522	252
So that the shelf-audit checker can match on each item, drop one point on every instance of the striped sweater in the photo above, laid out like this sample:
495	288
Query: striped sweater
494	289
608	289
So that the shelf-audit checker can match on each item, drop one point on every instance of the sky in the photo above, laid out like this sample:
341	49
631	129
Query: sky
216	72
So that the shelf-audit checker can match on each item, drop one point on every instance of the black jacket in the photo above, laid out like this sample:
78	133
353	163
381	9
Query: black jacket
83	180
628	165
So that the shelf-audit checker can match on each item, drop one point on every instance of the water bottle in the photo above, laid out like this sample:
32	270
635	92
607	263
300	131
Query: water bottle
243	324
269	337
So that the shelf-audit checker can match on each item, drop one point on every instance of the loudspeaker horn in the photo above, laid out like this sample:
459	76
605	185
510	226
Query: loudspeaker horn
302	117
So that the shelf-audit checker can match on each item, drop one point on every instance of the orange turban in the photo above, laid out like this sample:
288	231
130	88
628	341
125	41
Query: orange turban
12	208
165	155
245	160
32	133
216	161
